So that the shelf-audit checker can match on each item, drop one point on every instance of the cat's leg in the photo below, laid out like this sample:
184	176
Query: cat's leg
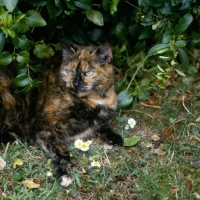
108	135
56	149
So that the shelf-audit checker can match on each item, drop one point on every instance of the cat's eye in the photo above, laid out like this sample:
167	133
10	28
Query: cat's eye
70	72
89	73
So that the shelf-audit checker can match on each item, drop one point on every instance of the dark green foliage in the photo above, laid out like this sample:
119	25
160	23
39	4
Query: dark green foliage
31	28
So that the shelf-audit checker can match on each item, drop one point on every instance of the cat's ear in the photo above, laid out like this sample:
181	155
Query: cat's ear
103	53
68	50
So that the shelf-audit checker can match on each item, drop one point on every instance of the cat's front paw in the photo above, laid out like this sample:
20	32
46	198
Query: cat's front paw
65	180
63	172
116	139
112	138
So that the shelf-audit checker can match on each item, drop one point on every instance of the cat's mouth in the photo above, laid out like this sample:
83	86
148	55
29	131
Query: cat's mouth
79	93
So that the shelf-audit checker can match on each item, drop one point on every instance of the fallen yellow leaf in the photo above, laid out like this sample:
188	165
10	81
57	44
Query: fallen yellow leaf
155	137
2	164
196	138
30	184
17	161
158	151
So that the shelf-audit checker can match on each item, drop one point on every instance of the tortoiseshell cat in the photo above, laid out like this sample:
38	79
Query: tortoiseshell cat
75	103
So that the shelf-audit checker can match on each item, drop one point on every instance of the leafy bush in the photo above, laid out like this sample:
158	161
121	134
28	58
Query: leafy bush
29	32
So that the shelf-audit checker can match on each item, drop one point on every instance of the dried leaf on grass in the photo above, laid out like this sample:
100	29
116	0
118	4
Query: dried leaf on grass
2	163
18	162
168	133
155	137
197	120
175	190
188	186
158	152
30	184
196	138
147	105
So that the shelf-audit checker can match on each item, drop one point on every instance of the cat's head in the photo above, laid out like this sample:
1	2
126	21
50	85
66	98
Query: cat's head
86	70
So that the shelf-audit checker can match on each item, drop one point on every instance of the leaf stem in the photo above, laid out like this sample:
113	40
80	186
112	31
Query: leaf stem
133	77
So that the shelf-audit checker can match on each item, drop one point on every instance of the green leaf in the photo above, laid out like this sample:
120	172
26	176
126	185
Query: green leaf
184	58
5	58
145	32
120	85
113	6
18	19
179	72
2	39
131	141
105	4
71	5
41	50
183	24
166	36
95	17
36	83
22	69
124	99
95	34
155	48
37	3
180	43
24	43
166	10
161	51
34	19
142	93
23	57
76	176
134	30
8	32
54	11
79	37
16	176
82	5
26	89
22	80
10	4
154	26
36	68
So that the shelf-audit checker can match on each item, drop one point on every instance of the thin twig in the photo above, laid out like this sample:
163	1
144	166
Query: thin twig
138	112
183	103
133	77
142	10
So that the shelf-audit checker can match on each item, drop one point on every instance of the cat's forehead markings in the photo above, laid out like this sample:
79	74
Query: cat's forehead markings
82	56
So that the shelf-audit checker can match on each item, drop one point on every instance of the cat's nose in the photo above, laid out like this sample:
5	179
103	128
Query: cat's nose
76	81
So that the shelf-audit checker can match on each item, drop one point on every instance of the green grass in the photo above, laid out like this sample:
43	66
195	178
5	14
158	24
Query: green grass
136	172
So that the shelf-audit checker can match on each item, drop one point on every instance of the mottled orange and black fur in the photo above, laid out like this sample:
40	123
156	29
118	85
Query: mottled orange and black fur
75	103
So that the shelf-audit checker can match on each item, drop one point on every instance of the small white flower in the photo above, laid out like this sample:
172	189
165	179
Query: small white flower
131	122
127	127
49	161
84	147
78	144
49	174
88	142
67	191
2	163
95	164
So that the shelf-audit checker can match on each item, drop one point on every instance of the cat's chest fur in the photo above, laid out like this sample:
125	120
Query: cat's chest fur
74	116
